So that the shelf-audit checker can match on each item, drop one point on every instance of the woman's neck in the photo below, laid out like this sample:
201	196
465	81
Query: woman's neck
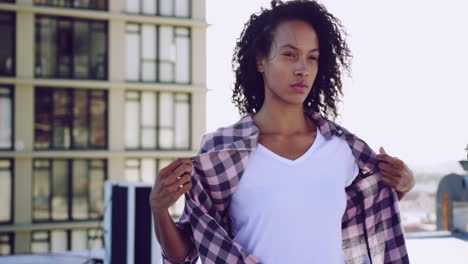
287	120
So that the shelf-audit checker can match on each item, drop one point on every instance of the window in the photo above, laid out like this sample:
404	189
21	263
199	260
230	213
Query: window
146	170
177	8
70	118
158	53
157	120
71	48
7	45
6	117
82	4
6	191
68	190
7	1
6	244
59	240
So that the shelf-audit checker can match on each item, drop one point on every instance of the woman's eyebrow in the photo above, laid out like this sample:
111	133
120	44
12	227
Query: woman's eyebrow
296	48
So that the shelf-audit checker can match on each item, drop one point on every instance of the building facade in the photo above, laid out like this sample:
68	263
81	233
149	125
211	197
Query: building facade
92	91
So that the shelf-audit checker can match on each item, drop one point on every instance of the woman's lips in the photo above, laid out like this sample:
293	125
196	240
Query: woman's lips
299	88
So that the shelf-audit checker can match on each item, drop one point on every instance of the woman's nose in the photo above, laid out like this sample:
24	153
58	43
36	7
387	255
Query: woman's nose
301	69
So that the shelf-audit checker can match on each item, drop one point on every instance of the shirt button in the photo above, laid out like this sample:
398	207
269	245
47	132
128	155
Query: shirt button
340	131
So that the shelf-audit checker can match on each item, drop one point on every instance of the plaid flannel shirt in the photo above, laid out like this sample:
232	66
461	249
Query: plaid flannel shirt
371	226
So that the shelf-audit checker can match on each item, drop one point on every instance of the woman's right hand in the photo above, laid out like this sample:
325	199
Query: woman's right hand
167	187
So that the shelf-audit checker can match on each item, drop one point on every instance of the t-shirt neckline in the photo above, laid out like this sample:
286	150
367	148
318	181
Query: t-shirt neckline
304	156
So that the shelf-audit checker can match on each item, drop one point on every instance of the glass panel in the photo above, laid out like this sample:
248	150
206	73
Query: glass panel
81	50
6	119
148	101
132	126
132	170
132	174
43	122
182	125
58	241
149	71
98	111
148	170
95	237
79	239
60	190
133	56
41	194
5	195
149	41
166	138
167	7
98	50
80	190
166	72
166	38
61	125
80	119
7	44
65	48
182	8
96	192
166	115
149	7
183	59
5	248
132	6
40	247
148	139
46	51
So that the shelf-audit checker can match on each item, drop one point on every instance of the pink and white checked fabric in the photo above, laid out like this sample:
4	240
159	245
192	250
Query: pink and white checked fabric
370	226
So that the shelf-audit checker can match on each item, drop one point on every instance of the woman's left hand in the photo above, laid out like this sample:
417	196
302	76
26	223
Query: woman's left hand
395	172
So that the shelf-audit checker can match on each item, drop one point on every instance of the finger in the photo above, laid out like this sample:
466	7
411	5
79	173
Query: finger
171	167
184	189
388	168
178	173
389	182
180	183
382	150
385	157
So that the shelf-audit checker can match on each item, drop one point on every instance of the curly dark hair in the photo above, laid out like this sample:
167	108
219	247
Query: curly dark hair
256	39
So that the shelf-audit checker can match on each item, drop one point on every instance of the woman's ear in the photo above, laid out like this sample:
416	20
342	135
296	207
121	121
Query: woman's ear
260	67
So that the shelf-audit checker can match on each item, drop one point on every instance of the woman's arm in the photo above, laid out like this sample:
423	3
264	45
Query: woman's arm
173	181
173	241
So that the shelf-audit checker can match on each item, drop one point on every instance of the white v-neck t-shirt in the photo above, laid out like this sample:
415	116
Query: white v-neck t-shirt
290	211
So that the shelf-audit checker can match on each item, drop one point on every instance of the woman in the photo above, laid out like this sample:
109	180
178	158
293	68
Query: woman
284	158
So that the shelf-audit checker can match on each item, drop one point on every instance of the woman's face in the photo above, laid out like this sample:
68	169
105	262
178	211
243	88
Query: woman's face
290	68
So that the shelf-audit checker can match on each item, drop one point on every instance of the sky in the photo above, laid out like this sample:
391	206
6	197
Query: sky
408	89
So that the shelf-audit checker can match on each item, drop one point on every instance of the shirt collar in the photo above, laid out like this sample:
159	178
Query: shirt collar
247	132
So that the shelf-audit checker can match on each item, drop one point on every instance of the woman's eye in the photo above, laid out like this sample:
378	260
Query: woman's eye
288	54
313	58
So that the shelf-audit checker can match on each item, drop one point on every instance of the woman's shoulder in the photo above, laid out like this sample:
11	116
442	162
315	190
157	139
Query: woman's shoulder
226	135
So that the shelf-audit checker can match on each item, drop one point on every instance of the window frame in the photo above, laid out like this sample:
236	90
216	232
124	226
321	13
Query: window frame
70	118
72	7
13	40
68	232
69	189
12	98
158	59
158	9
71	20
158	126
12	200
